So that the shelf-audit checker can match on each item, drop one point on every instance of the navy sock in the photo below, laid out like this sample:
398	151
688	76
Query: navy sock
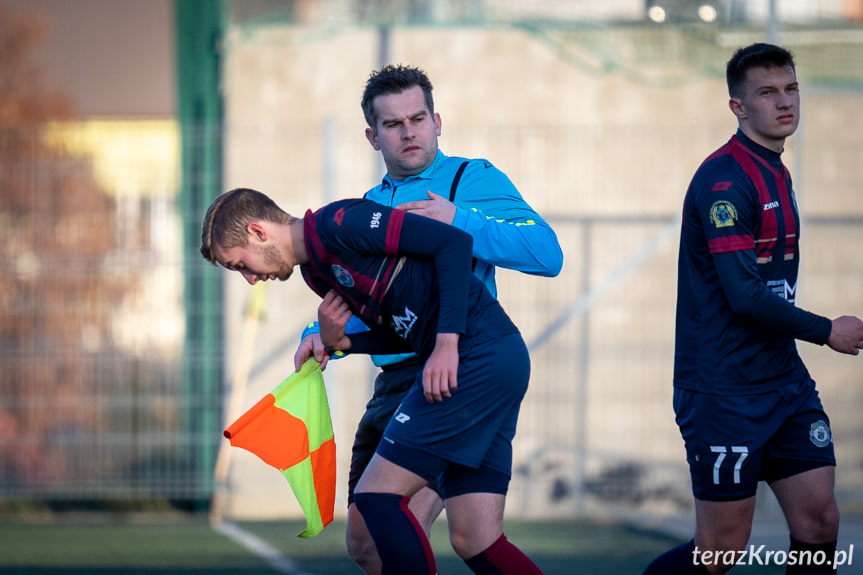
400	540
502	558
677	561
807	554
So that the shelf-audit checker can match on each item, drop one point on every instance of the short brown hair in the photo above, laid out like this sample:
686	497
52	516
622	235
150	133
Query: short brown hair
758	55
228	217
393	79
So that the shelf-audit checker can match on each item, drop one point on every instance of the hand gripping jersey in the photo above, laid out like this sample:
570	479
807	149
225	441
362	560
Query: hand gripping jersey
406	287
737	276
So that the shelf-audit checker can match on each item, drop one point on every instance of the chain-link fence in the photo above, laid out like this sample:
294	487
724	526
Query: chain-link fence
94	405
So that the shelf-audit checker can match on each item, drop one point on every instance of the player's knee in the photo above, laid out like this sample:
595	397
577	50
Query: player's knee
822	523
469	542
725	541
462	544
359	543
361	550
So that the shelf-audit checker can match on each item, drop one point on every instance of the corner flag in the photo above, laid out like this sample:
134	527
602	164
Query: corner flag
290	428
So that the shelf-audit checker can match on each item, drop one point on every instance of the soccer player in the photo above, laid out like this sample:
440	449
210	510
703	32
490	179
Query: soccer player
473	196
745	403
409	279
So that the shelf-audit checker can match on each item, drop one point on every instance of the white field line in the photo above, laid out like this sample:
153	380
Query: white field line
258	546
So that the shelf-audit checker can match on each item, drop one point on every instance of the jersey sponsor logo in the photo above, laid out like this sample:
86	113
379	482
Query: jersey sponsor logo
376	220
819	434
403	324
343	276
720	186
723	214
783	289
771	205
402	417
339	216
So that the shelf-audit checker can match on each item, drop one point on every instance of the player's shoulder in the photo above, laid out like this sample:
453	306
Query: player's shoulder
342	212
721	172
452	164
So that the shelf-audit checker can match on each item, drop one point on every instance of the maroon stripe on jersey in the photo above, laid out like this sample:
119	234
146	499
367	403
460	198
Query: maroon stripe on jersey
322	263
731	244
394	231
782	180
782	184
769	224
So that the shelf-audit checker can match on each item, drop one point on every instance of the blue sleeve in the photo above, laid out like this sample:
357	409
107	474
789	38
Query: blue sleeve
354	326
506	231
378	341
750	297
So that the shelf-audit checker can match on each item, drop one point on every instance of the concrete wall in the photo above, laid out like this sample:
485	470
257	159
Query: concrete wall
577	143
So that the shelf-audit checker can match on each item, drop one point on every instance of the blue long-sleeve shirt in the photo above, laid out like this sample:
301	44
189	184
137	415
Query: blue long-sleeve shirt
506	231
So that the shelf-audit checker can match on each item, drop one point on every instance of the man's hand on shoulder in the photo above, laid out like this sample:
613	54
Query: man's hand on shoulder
436	207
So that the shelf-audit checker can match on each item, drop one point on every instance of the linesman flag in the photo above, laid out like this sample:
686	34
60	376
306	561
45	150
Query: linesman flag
290	428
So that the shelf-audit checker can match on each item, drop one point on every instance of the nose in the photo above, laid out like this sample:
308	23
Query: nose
407	130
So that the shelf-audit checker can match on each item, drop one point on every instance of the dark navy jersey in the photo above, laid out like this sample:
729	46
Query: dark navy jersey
407	287
737	276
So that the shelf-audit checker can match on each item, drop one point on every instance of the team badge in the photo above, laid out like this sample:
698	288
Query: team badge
343	276
723	214
819	434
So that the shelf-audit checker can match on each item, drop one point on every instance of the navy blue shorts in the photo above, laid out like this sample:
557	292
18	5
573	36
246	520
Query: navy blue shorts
391	385
474	428
733	442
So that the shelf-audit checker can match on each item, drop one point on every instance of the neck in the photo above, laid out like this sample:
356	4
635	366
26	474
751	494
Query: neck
775	144
297	235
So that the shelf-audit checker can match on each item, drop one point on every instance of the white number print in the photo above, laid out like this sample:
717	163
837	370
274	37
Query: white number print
742	453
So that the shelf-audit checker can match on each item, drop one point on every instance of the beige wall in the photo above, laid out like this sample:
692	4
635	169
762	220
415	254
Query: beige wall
576	143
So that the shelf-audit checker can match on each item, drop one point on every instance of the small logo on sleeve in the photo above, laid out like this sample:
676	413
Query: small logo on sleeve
723	214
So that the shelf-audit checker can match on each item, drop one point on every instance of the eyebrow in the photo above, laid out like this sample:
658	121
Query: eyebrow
228	265
406	117
777	86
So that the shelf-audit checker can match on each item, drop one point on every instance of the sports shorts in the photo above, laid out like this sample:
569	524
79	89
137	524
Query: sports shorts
391	385
474	427
733	442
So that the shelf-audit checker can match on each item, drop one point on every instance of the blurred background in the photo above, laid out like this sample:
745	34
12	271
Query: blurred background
123	355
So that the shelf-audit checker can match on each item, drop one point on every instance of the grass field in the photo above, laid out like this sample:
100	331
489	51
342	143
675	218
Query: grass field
156	545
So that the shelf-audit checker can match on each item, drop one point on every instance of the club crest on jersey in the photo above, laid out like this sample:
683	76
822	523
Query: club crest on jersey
819	434
723	214
343	276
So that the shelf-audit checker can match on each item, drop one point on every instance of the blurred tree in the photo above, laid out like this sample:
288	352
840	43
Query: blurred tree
56	228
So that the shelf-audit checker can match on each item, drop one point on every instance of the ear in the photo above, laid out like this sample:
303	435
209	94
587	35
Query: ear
373	139
736	106
258	230
437	124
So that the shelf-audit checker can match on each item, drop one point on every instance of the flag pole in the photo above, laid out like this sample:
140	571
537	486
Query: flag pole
254	313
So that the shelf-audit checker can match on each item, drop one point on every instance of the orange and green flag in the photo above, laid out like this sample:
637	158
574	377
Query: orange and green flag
290	428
